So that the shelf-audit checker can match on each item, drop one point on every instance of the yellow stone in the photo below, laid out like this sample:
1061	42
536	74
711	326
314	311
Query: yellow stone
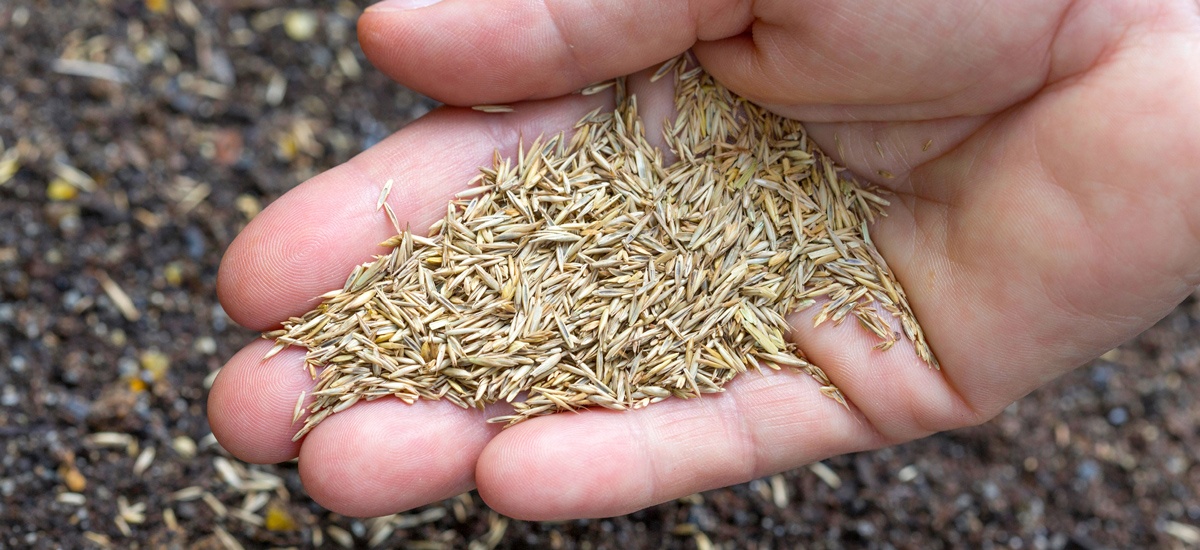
173	273
75	480
60	190
278	518
286	147
156	363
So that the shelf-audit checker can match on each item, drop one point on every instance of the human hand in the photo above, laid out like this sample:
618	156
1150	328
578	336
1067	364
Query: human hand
1044	160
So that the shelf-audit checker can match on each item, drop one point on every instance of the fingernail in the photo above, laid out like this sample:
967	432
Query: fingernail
401	5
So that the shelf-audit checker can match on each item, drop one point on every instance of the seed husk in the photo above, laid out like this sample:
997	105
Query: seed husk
592	272
493	108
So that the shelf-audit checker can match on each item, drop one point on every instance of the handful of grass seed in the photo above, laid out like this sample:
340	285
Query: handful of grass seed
591	272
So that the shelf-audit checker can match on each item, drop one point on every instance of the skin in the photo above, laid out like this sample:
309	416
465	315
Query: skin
1054	214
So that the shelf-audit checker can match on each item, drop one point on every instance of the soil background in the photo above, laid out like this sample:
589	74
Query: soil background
139	136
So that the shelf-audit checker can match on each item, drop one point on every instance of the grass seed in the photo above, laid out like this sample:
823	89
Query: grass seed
591	271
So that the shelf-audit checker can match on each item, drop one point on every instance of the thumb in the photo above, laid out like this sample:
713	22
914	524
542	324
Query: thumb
468	52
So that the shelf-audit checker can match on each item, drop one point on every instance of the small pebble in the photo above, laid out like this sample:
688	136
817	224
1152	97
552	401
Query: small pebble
1088	470
865	530
300	25
10	397
1118	416
155	363
991	491
157	6
173	273
194	242
74	479
60	190
205	345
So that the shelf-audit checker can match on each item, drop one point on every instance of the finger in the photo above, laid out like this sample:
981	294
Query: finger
251	403
656	107
466	52
902	397
305	243
375	458
889	61
385	456
885	153
601	463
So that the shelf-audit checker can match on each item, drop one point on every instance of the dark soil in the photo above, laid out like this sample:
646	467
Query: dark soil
187	131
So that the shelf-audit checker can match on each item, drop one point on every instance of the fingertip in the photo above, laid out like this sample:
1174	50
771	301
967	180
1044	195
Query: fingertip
530	471
737	63
251	404
385	456
501	51
467	53
912	399
301	246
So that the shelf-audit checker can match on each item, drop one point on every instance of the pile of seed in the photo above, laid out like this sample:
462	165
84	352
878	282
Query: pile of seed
592	272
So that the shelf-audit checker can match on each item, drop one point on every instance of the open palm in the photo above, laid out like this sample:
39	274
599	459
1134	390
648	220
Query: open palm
1045	157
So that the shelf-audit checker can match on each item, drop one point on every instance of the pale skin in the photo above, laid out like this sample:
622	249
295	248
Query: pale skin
1045	156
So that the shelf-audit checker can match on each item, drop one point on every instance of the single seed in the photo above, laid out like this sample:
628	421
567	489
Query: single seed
597	88
143	461
383	195
188	493
73	499
299	410
493	108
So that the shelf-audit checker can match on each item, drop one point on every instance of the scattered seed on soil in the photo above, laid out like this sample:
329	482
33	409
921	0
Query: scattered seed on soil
340	536
227	472
131	513
169	520
779	491
826	474
74	499
215	504
227	541
188	493
111	439
119	297
591	272
143	461
184	446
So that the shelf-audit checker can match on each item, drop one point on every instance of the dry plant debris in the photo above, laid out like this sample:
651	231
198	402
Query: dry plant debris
592	271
